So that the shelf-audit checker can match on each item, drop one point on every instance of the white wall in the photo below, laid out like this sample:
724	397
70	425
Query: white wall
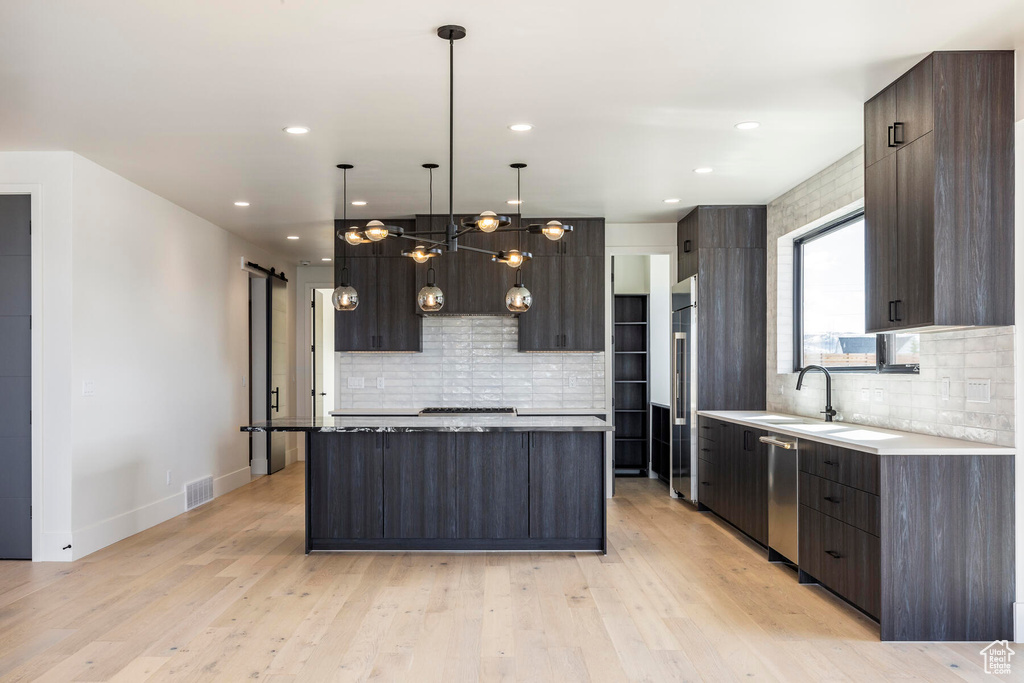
148	303
660	327
632	274
1018	346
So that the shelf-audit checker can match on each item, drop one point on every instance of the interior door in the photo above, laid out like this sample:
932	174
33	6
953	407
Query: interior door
259	364
317	355
15	377
277	372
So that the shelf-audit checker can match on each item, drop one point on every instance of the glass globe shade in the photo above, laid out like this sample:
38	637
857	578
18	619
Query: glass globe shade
430	298
553	230
376	231
353	237
345	298
518	299
488	221
419	255
515	259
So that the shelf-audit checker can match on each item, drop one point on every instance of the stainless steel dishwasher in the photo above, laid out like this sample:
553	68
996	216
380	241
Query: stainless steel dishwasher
783	499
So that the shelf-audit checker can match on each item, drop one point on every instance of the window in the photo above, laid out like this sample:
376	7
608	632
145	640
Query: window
829	305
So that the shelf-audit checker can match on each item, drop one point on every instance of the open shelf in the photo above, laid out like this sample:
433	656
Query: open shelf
630	377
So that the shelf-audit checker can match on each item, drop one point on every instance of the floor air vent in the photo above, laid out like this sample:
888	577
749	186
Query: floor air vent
198	492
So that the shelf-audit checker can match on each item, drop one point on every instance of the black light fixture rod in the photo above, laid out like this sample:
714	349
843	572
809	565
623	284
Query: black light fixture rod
480	251
452	244
418	237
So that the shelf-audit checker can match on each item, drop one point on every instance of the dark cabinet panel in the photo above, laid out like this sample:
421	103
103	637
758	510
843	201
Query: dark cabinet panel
541	328
880	231
493	485
915	249
879	116
841	557
420	485
914	104
566	473
399	328
338	464
686	245
582	290
480	284
732	227
586	238
357	330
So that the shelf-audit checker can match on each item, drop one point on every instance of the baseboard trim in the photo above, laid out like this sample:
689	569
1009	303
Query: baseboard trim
119	527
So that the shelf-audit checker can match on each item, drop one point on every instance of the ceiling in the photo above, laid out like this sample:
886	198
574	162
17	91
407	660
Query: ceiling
189	99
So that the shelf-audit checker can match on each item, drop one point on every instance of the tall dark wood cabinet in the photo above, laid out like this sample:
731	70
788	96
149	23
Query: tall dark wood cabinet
724	246
566	278
386	318
631	367
938	194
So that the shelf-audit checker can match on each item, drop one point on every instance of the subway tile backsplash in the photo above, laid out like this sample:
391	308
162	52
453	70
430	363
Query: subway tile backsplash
471	361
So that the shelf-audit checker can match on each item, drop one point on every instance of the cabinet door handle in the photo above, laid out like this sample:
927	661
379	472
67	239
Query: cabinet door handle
828	462
687	246
705	483
897	133
563	341
896	308
705	450
888	138
892	304
833	553
832	499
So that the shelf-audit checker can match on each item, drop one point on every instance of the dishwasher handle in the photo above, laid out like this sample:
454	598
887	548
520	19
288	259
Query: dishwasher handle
779	443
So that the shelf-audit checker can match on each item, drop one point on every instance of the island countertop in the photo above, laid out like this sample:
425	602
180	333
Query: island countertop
462	423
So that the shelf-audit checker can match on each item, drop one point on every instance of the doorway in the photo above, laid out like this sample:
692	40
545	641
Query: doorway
322	352
268	365
16	377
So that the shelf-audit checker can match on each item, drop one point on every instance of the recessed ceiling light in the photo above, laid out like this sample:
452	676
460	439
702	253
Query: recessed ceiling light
358	203
520	127
703	169
241	203
325	259
514	201
747	125
671	201
296	130
293	237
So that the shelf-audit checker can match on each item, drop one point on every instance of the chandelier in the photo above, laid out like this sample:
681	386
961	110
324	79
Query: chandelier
430	244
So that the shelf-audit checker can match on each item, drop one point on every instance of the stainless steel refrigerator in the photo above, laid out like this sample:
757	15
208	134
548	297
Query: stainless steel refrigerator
684	394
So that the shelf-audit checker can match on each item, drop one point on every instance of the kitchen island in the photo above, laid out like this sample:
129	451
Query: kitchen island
481	482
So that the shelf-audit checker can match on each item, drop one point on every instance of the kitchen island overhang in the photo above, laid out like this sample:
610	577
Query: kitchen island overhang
479	483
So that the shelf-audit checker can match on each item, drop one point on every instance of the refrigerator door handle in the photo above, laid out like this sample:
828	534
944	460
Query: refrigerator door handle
680	378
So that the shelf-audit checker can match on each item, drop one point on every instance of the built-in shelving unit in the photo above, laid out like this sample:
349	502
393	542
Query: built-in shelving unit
631	371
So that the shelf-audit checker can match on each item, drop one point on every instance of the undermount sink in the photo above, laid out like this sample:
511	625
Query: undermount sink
865	435
818	427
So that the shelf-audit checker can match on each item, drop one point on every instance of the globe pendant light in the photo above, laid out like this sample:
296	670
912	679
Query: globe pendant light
518	298
420	253
430	298
345	297
376	231
553	230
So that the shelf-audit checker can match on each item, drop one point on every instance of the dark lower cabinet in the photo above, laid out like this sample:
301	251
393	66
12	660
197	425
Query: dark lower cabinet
566	491
456	491
842	557
493	485
733	476
336	467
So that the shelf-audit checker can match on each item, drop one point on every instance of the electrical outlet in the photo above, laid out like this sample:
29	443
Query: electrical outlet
88	388
979	390
879	395
356	383
380	382
572	381
168	477
945	388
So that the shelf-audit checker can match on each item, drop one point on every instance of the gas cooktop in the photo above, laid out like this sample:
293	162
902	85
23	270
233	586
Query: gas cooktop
468	411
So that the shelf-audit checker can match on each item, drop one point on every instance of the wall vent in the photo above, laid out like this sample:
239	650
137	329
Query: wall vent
198	492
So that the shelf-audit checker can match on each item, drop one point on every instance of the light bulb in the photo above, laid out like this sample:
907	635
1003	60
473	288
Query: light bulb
345	298
430	298
553	230
419	257
518	299
515	259
353	237
376	231
488	221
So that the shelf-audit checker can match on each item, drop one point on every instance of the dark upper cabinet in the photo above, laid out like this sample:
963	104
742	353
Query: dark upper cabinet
568	304
939	212
880	242
386	318
686	244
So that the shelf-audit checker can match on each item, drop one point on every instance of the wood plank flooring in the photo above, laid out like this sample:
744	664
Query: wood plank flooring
226	593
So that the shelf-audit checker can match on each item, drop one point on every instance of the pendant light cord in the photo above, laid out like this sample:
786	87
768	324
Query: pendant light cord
519	205
451	137
344	216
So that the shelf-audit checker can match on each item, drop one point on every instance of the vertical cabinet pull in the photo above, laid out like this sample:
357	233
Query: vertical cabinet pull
897	133
687	246
892	318
889	138
896	308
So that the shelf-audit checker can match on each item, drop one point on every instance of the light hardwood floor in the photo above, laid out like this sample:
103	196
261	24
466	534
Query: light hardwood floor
226	593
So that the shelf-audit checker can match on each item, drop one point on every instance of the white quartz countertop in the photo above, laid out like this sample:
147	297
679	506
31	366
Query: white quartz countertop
857	437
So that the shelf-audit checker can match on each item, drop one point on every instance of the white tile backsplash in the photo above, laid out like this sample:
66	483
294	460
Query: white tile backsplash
909	402
472	361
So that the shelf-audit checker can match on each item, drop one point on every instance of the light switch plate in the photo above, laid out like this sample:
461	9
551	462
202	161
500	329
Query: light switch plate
979	390
945	388
88	388
380	382
879	395
356	383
